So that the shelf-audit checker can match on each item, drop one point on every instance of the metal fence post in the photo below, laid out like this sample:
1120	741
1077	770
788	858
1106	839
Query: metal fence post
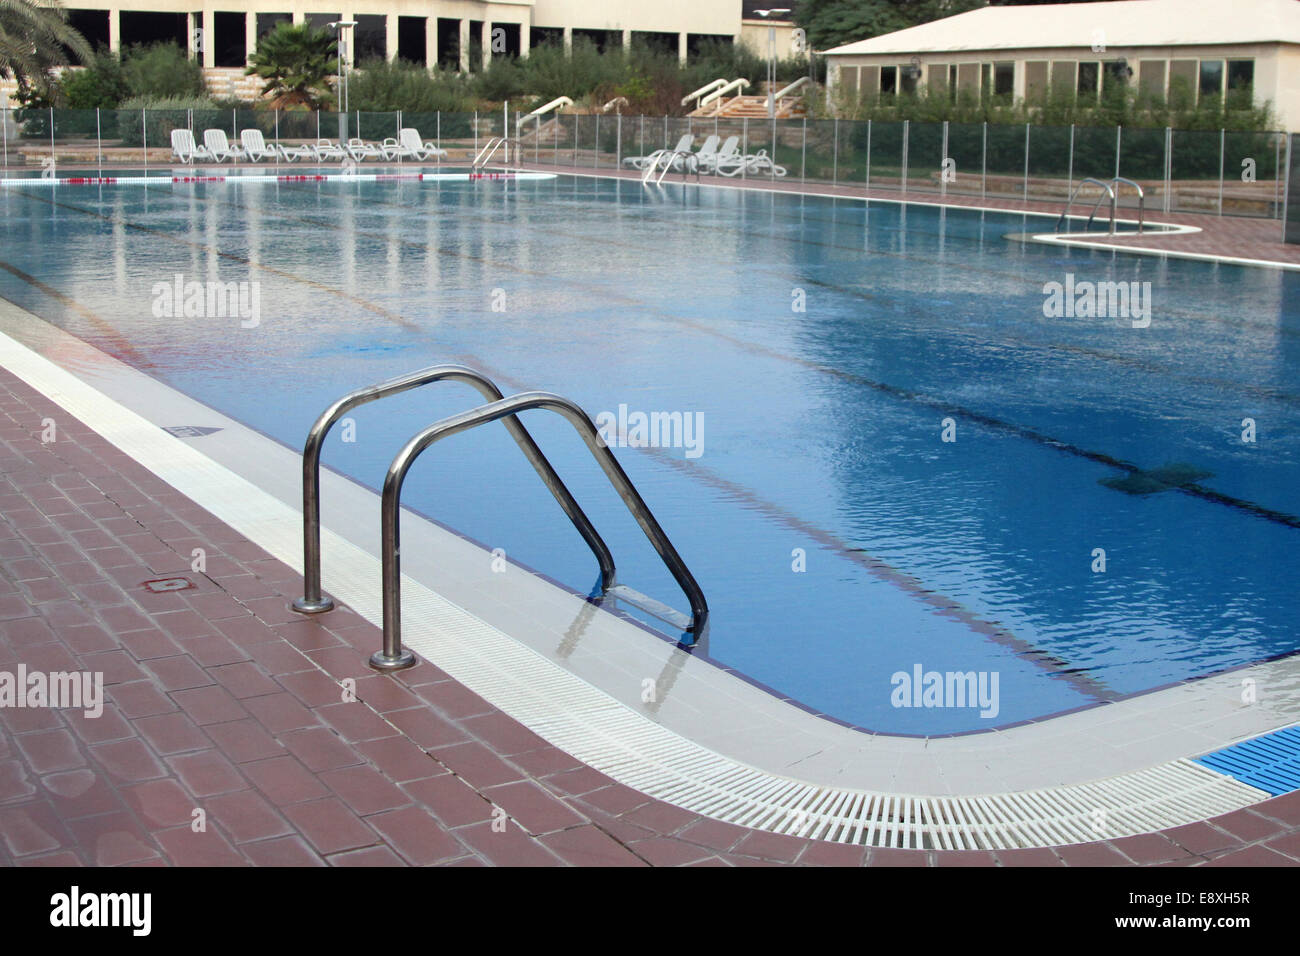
618	142
99	144
803	154
577	122
1119	130
1024	192
437	127
744	147
868	156
53	162
144	139
1069	184
277	138
476	132
1286	195
1222	146
984	160
1277	173
773	156
943	162
4	135
907	130
595	163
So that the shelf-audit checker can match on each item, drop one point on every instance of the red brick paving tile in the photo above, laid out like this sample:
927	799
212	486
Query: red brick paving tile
61	858
145	645
123	619
244	740
503	734
246	631
588	846
209	705
1149	848
614	798
178	673
825	853
341	662
112	839
661	817
313	687
770	846
273	610
284	780
280	712
618	828
890	856
215	607
430	730
355	721
140	698
286	851
370	856
32	829
87	639
185	625
1285	808
365	789
1040	856
161	803
455	699
664	851
964	858
546	762
278	658
1090	854
214	651
118	667
50	750
172	733
330	826
400	759
384	694
109	725
1252	856
184	847
711	861
1247	826
28	719
128	760
508	847
80	793
467	861
416	836
533	808
714	834
1288	843
207	773
575	782
320	748
306	635
246	816
453	801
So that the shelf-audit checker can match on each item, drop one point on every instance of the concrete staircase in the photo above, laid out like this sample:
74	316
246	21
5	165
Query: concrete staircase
753	107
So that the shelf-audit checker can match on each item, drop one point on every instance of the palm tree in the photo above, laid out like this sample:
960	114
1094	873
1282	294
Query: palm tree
34	37
296	62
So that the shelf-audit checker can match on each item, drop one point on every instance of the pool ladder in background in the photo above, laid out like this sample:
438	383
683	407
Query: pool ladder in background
393	656
1111	190
666	157
490	149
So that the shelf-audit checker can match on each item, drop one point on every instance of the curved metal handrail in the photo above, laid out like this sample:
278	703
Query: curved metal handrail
741	83
394	656
1142	202
690	163
1096	182
706	88
491	146
312	601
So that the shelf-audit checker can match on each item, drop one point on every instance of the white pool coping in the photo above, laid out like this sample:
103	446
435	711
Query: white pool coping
712	742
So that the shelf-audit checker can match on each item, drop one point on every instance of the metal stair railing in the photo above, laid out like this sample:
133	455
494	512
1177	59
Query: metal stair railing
1108	192
313	601
395	657
1142	202
690	163
490	148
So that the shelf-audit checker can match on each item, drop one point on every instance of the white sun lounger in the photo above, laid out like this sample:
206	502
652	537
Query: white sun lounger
360	150
752	164
327	149
220	148
255	147
639	162
186	150
409	146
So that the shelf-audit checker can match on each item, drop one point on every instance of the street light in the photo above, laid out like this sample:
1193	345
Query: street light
771	57
339	26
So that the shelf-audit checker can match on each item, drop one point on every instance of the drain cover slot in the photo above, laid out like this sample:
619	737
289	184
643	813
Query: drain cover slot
162	585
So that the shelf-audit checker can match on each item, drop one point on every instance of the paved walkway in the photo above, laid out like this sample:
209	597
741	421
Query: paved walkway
220	699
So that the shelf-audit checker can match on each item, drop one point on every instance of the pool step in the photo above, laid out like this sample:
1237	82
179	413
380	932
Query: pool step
652	607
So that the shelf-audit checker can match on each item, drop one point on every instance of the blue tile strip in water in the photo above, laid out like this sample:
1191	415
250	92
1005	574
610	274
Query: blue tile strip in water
1270	762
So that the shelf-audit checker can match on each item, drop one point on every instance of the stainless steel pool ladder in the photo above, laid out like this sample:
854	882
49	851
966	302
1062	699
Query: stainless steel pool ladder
1112	191
690	163
490	149
394	656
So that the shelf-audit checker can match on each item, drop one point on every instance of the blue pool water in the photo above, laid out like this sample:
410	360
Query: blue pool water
822	428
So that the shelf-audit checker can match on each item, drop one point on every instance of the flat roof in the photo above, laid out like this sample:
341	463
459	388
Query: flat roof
1124	23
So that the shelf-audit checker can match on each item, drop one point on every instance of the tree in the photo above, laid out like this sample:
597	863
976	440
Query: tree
832	23
296	63
34	38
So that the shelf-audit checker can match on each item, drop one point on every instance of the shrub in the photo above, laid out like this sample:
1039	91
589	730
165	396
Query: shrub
162	71
101	85
164	115
381	86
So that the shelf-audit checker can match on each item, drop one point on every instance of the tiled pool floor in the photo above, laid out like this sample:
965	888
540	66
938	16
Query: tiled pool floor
221	699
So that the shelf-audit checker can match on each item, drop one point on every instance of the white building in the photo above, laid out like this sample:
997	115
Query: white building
1210	45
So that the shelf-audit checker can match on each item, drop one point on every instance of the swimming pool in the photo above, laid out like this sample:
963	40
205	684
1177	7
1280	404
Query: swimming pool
840	539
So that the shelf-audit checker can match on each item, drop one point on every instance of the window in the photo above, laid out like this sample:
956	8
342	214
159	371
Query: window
1004	79
1087	84
1241	74
909	75
1116	76
1036	81
1211	83
888	80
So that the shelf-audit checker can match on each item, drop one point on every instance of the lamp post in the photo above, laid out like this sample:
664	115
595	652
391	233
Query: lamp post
771	56
339	26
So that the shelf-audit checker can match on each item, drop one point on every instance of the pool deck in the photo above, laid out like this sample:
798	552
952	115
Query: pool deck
220	698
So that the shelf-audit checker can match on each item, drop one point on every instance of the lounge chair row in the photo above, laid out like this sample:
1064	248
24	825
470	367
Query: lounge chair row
252	147
709	158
